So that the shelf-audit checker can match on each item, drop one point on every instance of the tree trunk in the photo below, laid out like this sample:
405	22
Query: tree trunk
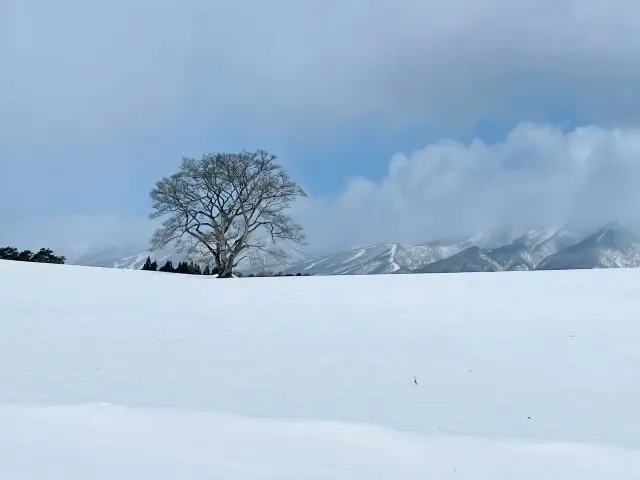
225	270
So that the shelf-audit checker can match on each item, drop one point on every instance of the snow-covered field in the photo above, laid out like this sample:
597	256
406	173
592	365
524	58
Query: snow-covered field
109	374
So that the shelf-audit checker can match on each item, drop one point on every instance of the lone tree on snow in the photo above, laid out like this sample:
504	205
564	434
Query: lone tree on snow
226	207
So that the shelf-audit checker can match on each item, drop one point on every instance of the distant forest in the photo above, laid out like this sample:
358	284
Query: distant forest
192	268
44	255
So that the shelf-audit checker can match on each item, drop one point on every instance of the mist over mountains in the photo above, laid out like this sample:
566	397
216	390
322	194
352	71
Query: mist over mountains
611	246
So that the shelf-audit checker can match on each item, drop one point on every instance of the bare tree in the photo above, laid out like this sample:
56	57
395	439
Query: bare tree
226	207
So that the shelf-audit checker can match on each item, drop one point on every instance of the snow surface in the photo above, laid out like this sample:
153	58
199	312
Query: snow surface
126	374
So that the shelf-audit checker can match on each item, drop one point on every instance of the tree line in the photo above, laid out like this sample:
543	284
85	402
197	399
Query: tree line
192	268
44	255
189	268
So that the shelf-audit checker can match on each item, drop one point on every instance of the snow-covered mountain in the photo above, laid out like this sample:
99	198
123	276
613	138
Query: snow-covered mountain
473	259
528	250
612	246
374	259
394	257
523	252
489	250
483	252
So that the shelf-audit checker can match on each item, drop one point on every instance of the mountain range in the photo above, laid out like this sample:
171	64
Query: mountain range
610	246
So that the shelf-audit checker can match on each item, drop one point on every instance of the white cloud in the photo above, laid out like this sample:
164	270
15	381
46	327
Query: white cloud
84	70
540	175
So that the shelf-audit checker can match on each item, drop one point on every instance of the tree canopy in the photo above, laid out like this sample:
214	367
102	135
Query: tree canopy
44	255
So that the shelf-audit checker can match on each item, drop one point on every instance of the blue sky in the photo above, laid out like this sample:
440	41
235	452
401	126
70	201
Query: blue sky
361	100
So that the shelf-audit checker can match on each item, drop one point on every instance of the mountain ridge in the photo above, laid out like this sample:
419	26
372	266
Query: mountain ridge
547	248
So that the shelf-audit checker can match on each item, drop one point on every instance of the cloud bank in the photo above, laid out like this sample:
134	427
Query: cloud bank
538	176
80	71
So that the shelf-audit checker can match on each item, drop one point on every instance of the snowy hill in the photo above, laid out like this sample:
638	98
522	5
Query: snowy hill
140	375
612	246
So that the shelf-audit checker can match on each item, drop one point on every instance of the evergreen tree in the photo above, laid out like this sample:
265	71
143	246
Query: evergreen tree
9	253
207	270
154	266
167	267
46	255
183	267
147	264
25	256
